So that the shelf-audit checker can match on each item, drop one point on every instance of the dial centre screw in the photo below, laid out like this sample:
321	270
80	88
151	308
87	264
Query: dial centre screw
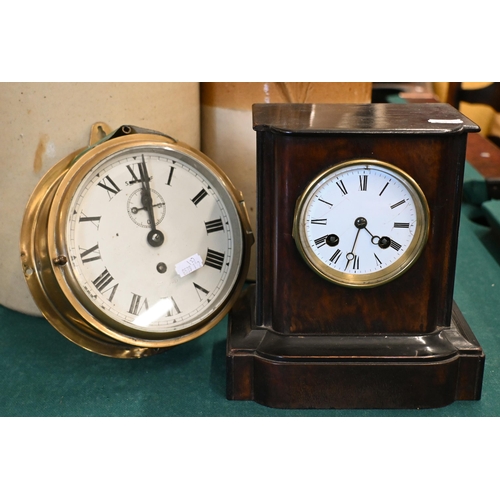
360	222
155	238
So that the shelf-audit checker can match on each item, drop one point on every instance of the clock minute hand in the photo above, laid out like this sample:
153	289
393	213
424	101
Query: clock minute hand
359	223
146	198
155	237
350	255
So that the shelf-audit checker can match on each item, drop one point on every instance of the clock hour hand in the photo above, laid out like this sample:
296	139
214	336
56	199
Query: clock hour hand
381	241
155	237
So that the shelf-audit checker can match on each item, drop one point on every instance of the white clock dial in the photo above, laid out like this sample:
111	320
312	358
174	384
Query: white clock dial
361	223
156	265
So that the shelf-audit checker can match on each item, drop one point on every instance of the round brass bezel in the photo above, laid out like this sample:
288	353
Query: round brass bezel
377	278
54	286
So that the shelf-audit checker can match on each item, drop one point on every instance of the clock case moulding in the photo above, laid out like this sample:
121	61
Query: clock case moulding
296	340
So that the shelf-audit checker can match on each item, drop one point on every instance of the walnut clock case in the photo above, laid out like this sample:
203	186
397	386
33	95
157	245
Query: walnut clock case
358	219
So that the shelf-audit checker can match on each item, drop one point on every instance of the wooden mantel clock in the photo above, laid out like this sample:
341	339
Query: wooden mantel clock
358	219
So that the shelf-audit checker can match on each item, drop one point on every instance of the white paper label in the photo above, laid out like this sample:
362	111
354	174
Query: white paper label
189	265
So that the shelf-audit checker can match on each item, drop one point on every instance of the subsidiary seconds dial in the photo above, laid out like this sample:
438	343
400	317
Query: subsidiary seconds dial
361	223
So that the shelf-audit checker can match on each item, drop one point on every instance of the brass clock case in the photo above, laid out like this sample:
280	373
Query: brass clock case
384	274
48	269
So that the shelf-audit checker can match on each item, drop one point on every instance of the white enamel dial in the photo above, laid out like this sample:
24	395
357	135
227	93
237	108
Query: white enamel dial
361	223
154	242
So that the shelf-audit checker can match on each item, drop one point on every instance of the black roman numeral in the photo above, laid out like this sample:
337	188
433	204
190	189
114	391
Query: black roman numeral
363	182
336	256
401	225
170	176
134	177
340	185
377	259
214	259
109	185
319	242
397	204
199	197
95	219
326	202
102	281
395	245
202	292
137	304
173	309
215	225
321	222
354	259
355	262
90	251
383	189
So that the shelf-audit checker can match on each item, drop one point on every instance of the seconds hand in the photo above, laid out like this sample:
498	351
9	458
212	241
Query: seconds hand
155	236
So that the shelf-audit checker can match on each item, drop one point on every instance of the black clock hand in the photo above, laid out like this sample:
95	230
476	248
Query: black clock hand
155	236
360	223
146	198
134	210
381	241
350	255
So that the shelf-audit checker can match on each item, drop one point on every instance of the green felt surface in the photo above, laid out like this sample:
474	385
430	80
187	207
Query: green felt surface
44	374
491	209
475	190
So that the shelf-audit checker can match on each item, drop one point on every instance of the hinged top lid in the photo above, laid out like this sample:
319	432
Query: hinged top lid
422	118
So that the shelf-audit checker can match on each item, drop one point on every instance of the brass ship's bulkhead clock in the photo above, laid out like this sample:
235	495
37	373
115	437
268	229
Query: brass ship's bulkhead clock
135	244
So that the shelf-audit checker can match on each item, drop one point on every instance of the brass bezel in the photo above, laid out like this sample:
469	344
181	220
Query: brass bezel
383	276
54	286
